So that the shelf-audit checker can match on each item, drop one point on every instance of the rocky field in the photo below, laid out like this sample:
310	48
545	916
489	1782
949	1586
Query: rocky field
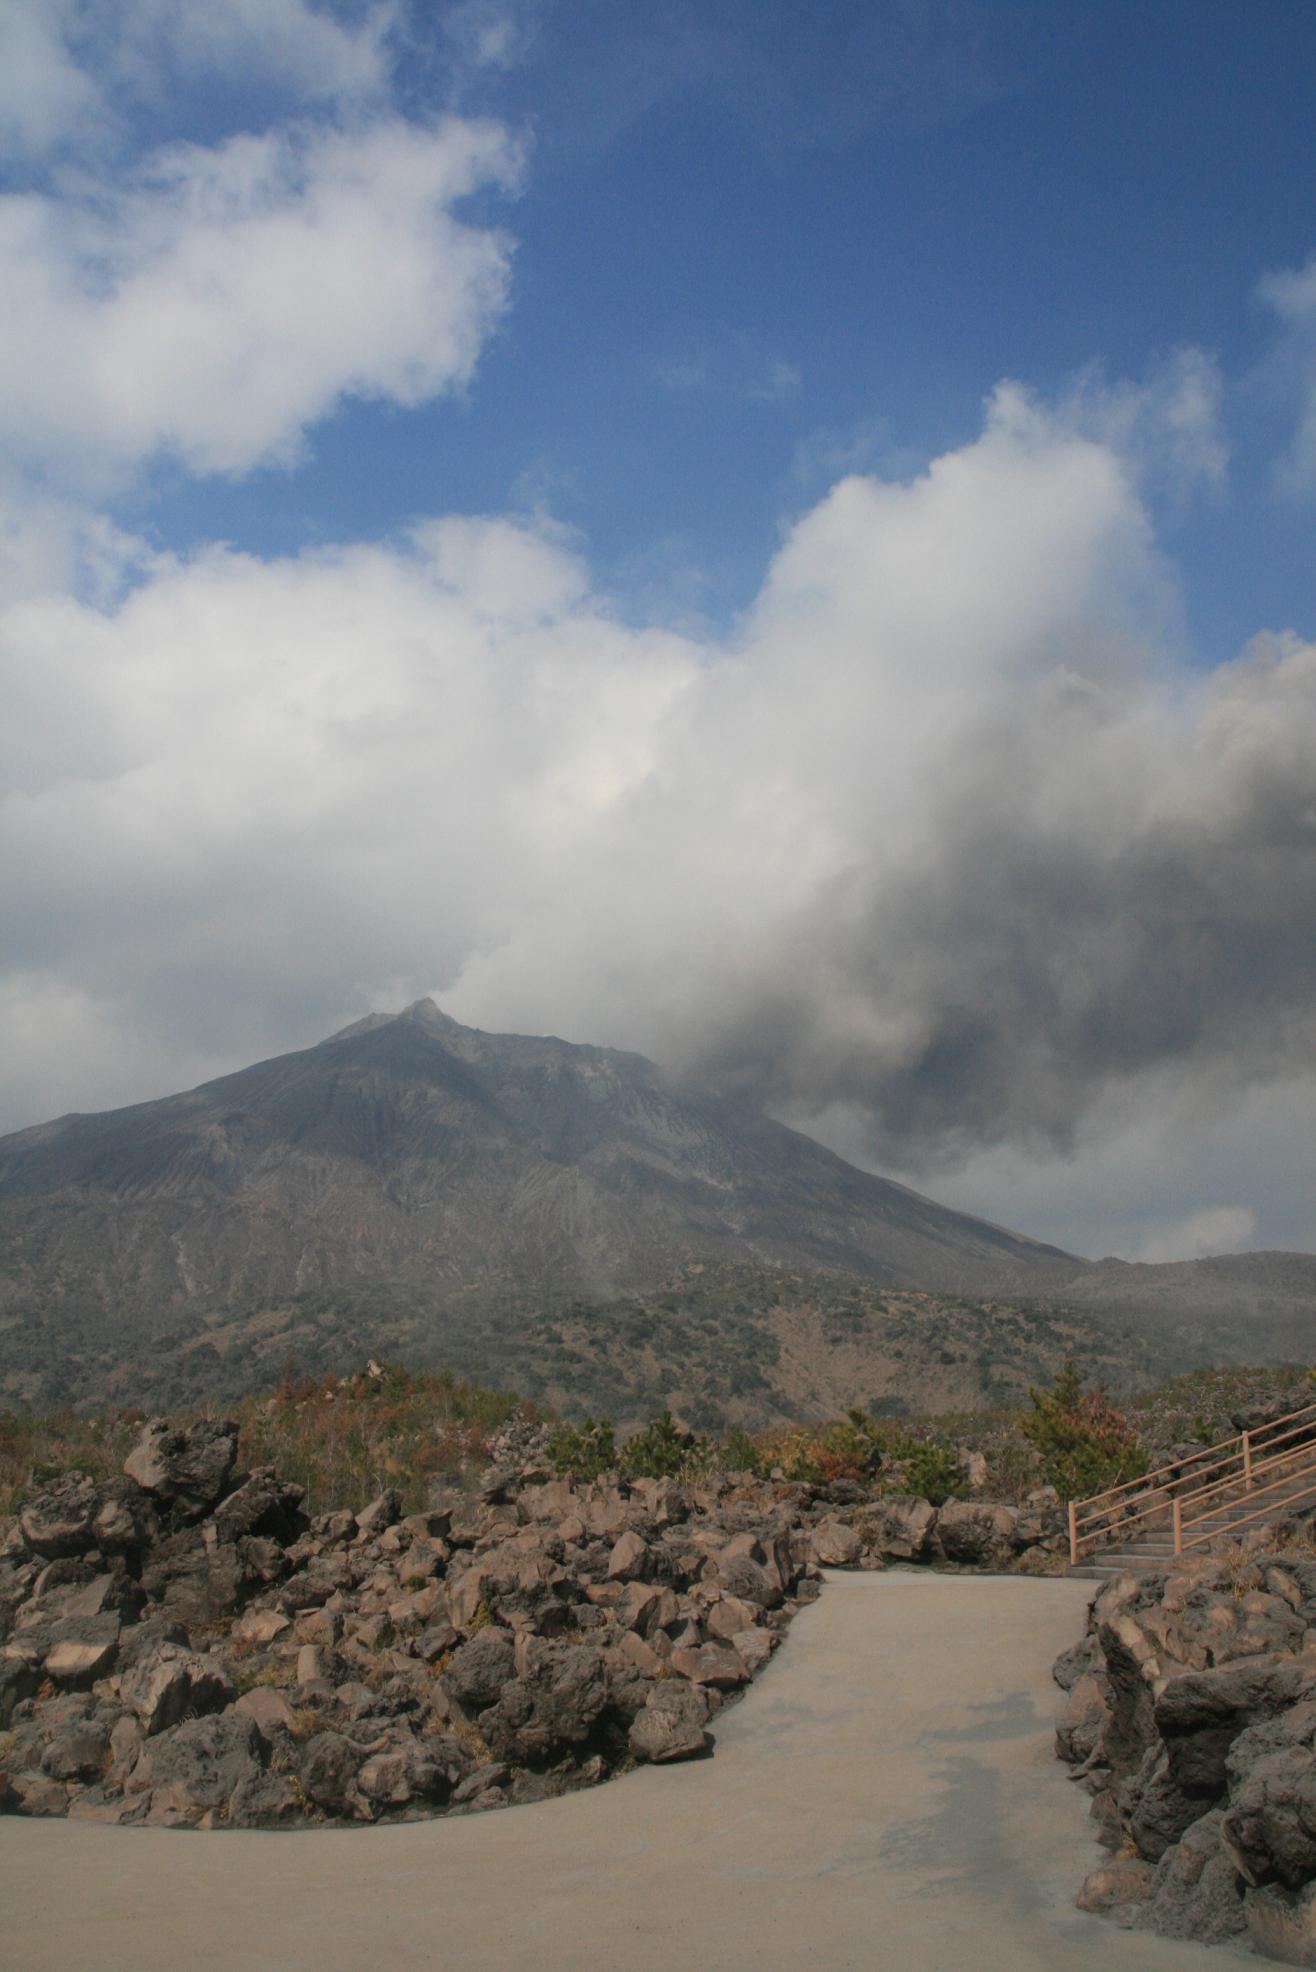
184	1646
185	1642
1190	1715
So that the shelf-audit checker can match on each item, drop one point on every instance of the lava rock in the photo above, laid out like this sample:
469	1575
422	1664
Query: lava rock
187	1469
671	1725
62	1520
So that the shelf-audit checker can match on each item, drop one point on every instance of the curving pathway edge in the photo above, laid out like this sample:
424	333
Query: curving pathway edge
884	1797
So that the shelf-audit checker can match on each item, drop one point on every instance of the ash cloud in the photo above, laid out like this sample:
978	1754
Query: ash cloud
950	839
1110	887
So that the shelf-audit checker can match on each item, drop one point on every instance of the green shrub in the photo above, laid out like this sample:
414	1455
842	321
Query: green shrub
659	1451
926	1466
1085	1444
849	1449
739	1453
583	1451
933	1472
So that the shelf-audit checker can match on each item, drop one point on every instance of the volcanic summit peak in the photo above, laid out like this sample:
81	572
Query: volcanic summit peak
422	1013
428	1013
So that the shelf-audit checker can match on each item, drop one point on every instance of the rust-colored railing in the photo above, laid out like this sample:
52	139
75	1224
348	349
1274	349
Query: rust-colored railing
1188	1492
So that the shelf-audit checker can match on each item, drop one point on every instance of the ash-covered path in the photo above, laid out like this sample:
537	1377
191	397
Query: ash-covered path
885	1797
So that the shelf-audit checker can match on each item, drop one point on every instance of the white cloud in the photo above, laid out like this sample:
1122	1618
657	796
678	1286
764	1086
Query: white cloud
66	66
941	835
51	545
44	95
1168	426
734	366
224	299
288	41
61	1040
493	34
1290	294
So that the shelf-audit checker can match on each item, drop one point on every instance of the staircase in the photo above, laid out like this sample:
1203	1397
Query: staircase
1199	1502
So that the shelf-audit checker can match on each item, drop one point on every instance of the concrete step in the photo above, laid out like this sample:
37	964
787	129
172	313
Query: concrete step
1229	1513
1152	1552
1089	1572
1235	1508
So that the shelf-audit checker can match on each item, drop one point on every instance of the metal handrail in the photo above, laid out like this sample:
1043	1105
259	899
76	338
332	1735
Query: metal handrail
1291	1418
1198	1519
1161	1472
1084	1515
1251	1467
1175	1466
1159	1504
1198	1541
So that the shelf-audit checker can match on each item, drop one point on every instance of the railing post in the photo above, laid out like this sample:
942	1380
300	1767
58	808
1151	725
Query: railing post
1073	1534
1178	1526
1247	1458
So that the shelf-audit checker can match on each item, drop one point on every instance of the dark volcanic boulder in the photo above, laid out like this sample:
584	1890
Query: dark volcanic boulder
550	1707
381	1513
1282	1923
1270	1830
835	1545
81	1751
176	1684
670	1725
713	1664
478	1671
749	1580
327	1771
263	1504
1192	1710
265	1800
1194	1893
193	1769
194	1580
901	1529
1082	1719
1161	1807
403	1773
390	1666
60	1522
186	1469
974	1533
1200	1714
19	1678
125	1518
82	1649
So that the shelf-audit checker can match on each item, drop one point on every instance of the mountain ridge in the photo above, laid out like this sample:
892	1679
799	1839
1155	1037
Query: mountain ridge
460	1184
419	1088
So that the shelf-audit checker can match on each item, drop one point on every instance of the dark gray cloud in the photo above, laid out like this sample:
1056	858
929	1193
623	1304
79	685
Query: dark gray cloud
1084	911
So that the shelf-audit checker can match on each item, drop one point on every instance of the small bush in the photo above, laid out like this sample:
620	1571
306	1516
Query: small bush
739	1453
1084	1443
933	1472
849	1448
583	1451
926	1466
659	1451
792	1453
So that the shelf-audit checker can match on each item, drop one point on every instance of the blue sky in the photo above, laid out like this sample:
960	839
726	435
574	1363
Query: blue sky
730	529
754	242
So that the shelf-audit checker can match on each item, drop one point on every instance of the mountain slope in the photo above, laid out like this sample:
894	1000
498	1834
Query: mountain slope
418	1184
415	1149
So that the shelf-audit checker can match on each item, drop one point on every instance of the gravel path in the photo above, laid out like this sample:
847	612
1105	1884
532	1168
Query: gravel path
885	1798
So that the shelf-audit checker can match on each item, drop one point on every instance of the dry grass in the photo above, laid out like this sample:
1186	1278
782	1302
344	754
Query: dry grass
344	1439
